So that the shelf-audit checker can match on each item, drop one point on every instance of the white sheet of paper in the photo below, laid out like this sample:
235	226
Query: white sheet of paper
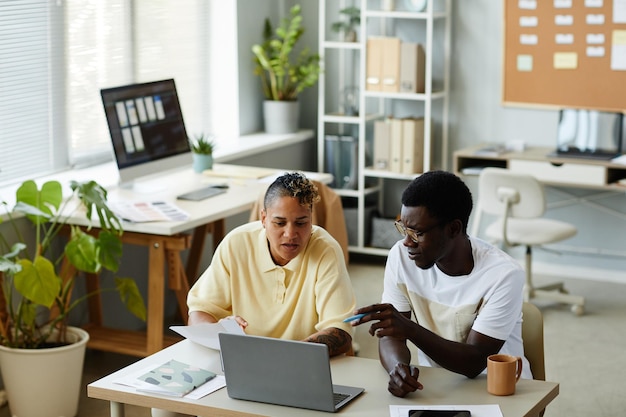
527	4
205	334
564	38
528	39
595	51
528	21
618	50
593	3
486	410
563	19
595	19
619	11
595	38
562	4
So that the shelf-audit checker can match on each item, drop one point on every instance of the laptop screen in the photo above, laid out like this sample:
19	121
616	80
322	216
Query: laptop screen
589	132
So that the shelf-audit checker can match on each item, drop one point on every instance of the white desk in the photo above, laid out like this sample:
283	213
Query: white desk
165	241
441	387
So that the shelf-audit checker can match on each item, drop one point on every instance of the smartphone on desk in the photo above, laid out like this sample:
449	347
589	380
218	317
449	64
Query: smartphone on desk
439	413
202	193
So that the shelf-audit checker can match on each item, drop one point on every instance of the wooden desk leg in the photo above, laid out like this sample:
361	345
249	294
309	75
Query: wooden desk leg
195	252
117	409
94	302
178	282
156	294
218	230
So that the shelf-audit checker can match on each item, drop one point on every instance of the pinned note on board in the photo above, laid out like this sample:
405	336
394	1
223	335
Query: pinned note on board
565	60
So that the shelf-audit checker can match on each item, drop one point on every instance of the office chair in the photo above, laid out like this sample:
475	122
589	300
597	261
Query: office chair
519	202
532	338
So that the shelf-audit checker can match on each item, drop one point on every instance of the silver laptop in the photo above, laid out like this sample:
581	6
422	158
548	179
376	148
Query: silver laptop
283	372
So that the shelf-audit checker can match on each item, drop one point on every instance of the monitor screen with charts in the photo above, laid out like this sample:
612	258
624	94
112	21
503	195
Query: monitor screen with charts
283	372
147	129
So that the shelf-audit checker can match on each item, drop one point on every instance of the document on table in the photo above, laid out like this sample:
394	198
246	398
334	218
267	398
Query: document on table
132	380
486	410
145	211
205	334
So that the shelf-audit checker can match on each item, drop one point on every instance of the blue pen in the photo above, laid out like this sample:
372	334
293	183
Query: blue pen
354	318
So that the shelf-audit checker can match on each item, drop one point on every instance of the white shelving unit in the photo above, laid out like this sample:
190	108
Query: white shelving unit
345	67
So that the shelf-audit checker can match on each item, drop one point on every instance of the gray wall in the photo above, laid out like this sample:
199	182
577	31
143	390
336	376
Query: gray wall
477	115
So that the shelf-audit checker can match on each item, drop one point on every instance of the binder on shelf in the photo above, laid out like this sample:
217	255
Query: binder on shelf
373	66
382	135
412	68
341	160
395	149
391	64
412	145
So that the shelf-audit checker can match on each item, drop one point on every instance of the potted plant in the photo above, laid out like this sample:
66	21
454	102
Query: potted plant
202	147
284	74
36	292
348	27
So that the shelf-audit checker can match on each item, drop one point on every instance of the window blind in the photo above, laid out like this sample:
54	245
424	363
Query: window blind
56	56
25	87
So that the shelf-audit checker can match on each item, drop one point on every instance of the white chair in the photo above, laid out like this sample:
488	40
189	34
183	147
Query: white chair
519	202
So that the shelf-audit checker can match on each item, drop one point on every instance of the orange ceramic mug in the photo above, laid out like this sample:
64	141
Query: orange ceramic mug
503	372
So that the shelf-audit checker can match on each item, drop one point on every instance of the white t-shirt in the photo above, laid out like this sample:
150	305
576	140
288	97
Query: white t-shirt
489	299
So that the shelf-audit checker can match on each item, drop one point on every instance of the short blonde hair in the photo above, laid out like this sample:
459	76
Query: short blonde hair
292	184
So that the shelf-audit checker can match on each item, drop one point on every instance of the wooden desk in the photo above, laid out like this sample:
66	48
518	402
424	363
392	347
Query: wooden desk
165	242
551	170
440	387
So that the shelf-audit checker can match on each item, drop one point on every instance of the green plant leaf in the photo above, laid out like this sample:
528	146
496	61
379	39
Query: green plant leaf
83	251
110	250
94	198
39	206
38	281
131	297
7	264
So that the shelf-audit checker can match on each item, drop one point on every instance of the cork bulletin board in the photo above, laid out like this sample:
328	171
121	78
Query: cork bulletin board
565	53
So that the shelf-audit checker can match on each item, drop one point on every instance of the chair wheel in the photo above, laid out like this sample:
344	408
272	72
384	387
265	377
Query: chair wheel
578	310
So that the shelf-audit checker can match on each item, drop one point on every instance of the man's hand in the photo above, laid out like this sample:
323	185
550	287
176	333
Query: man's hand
390	322
403	380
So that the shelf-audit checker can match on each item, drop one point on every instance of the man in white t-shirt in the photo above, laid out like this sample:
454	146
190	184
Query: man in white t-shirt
465	294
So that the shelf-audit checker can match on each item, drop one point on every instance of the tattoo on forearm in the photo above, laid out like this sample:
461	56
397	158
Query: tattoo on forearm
338	341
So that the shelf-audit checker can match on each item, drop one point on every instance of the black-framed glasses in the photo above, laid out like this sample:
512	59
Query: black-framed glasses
414	235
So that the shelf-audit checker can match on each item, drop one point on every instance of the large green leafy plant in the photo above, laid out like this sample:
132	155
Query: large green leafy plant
36	283
284	76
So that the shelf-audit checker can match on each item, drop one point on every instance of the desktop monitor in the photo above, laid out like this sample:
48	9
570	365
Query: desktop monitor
147	129
589	133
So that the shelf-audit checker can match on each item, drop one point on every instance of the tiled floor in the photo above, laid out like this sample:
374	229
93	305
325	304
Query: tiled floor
584	354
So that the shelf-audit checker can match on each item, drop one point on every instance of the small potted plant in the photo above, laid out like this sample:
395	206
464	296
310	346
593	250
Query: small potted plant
36	286
202	147
284	74
348	27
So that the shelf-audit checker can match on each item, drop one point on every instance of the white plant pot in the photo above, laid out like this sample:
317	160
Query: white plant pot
45	382
280	117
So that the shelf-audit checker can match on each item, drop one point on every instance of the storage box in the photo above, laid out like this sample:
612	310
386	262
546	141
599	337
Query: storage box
384	233
352	224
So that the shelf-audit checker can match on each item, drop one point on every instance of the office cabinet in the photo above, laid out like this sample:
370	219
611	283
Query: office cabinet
354	98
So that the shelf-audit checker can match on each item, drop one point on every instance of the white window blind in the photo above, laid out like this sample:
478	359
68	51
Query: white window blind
56	56
25	92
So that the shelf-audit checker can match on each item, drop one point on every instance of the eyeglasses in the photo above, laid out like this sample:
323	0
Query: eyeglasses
414	235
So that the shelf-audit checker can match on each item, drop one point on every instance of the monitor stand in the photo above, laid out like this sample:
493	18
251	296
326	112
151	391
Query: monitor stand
145	186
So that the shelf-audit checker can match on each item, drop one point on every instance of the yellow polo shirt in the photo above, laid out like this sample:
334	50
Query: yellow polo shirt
311	293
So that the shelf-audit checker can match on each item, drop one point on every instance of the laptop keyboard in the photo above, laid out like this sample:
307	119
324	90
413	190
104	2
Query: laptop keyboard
337	397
